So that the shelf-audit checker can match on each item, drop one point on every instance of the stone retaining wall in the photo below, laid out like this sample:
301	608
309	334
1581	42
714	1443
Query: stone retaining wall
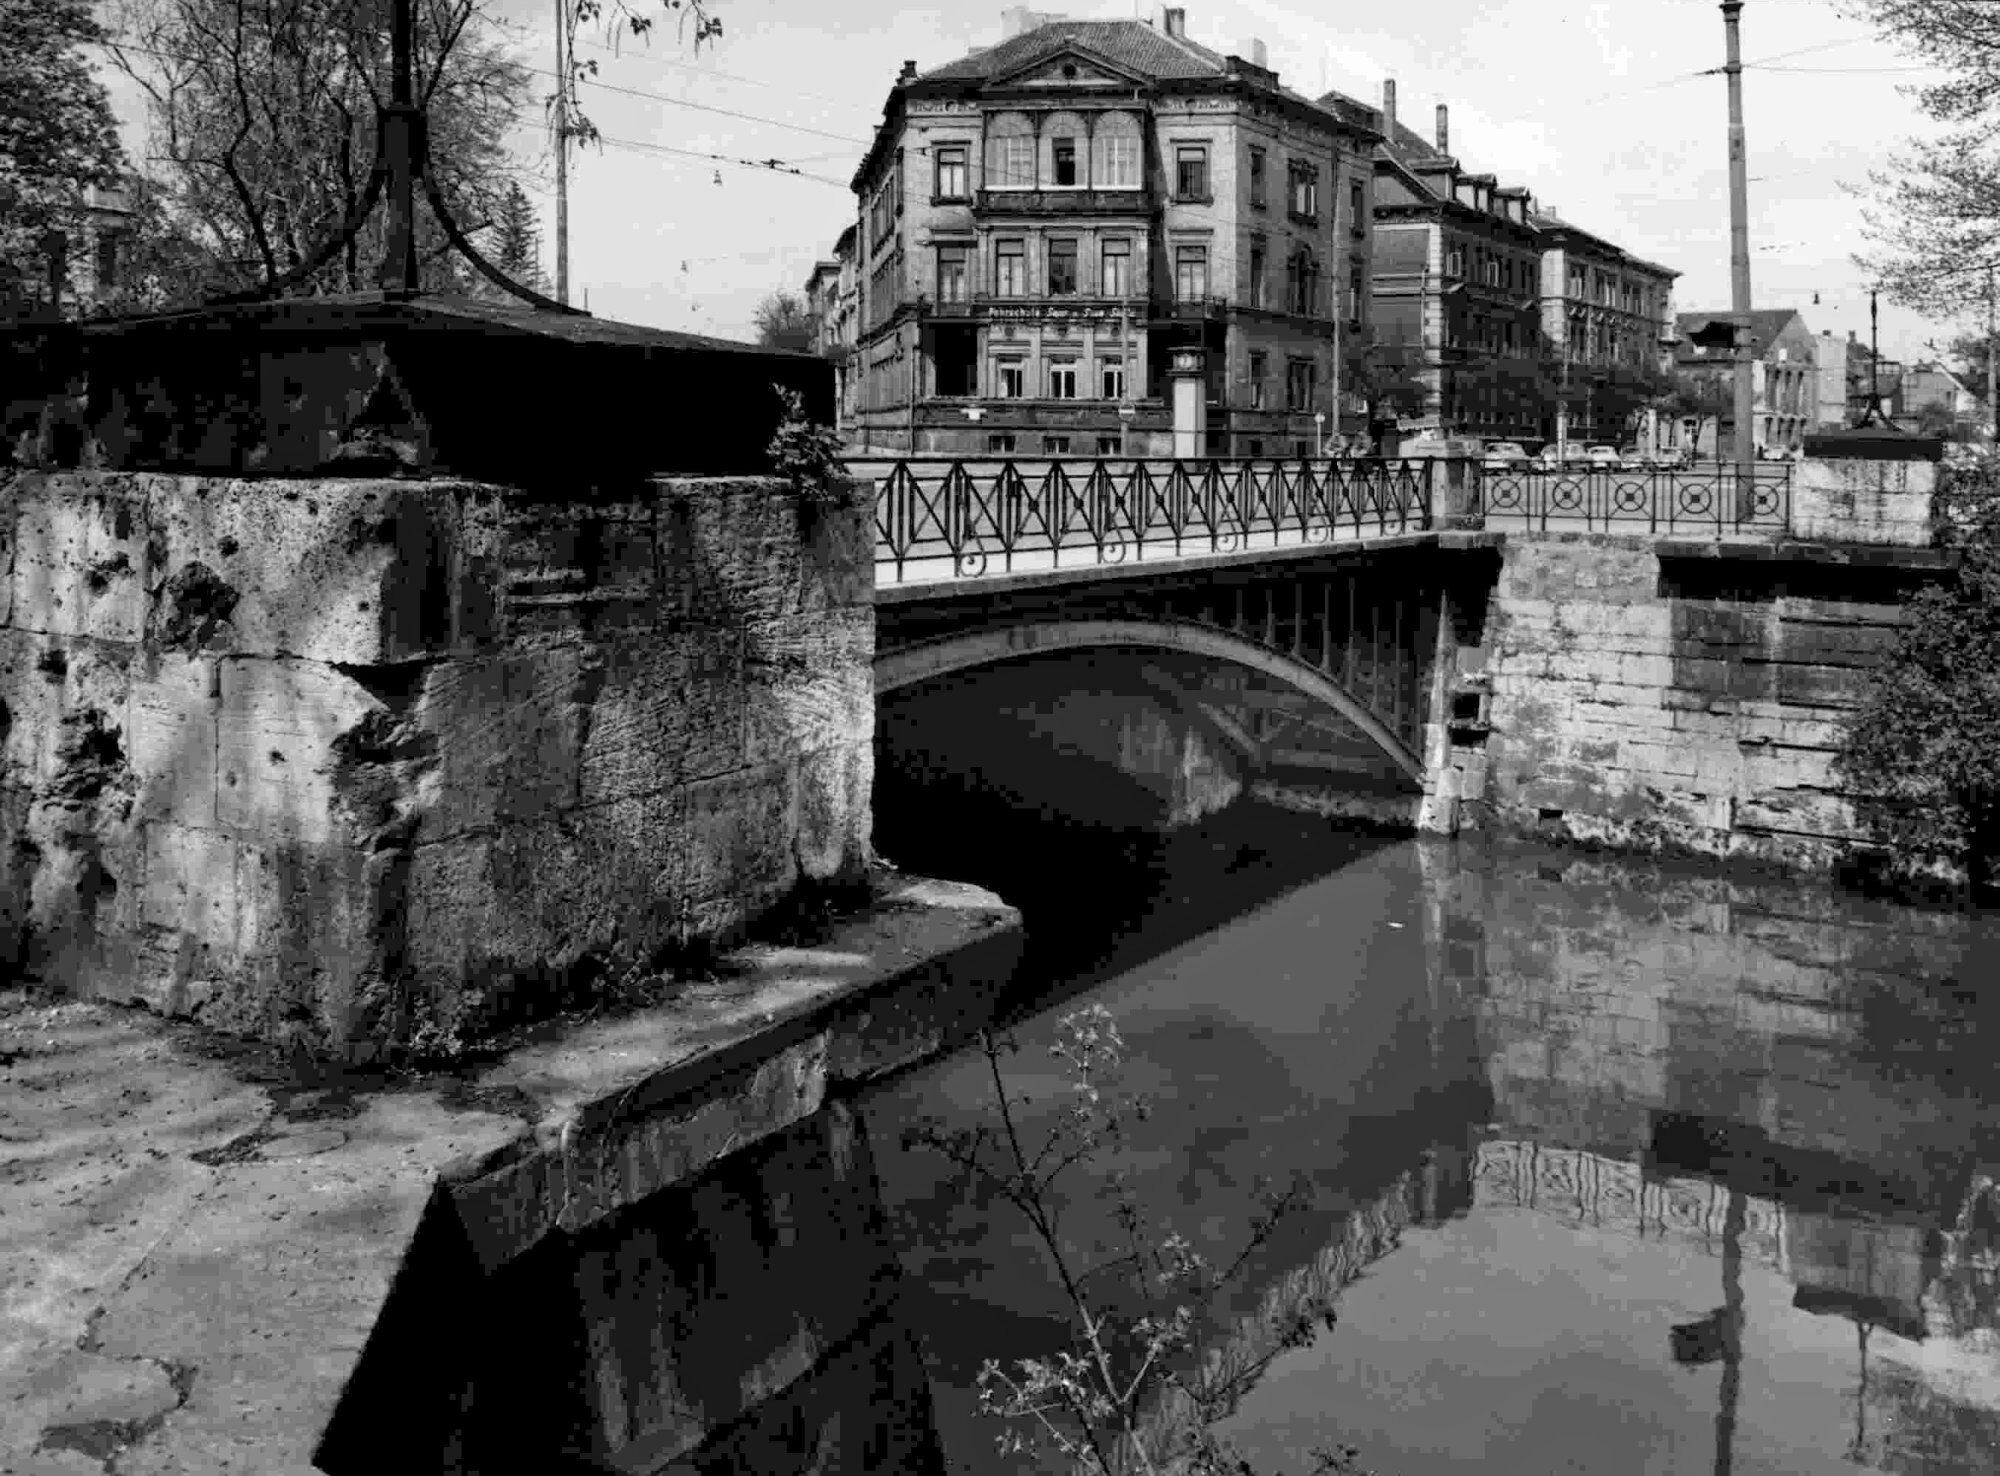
349	761
1855	501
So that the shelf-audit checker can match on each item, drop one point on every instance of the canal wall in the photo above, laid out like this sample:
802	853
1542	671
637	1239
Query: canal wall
361	763
1671	694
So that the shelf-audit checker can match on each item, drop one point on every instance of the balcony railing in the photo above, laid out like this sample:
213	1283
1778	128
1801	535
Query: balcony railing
960	518
1064	202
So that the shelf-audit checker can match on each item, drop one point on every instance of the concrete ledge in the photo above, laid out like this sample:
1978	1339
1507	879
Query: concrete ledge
200	1245
1794	550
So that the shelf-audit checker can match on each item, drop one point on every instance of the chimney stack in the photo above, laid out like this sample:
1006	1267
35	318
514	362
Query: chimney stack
909	71
1259	55
1389	107
1177	21
1444	130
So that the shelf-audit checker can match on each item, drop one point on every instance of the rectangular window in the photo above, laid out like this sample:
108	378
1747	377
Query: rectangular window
1062	268
1354	294
1063	154
1304	190
1298	384
1256	273
1055	445
1454	262
1257	178
1010	162
1012	378
1190	273
1115	280
1107	446
1062	379
952	274
1118	162
1301	284
1259	367
951	172
1001	444
1111	377
1357	208
1191	171
1010	276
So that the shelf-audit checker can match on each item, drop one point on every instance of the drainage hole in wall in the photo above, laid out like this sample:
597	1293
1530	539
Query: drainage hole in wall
1549	814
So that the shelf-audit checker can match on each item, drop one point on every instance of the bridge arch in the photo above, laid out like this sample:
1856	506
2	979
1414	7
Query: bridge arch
905	666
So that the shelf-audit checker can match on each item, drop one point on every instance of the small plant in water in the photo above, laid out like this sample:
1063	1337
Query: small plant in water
1132	1393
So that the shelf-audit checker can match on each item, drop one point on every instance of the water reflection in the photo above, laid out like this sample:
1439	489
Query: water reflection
1618	1167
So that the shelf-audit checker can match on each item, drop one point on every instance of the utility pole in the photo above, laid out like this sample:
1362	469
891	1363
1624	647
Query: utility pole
562	152
1739	258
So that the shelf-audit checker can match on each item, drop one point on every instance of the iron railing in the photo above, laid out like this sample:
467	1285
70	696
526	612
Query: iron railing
1713	498
958	518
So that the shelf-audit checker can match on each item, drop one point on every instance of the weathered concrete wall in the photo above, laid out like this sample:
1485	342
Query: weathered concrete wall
1856	501
349	760
1658	695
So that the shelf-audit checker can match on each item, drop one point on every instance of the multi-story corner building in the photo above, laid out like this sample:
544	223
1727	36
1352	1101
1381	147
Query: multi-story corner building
1784	370
1604	310
1456	283
1046	223
833	301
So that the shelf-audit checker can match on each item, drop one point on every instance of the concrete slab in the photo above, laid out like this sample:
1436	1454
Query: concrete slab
196	1242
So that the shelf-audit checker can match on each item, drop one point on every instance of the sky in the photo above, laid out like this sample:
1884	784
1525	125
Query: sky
1598	108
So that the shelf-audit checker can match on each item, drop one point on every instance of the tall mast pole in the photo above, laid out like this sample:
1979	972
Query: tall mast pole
399	124
562	152
1992	371
1739	255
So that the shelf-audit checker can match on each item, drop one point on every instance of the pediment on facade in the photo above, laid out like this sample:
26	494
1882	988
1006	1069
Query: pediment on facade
1073	66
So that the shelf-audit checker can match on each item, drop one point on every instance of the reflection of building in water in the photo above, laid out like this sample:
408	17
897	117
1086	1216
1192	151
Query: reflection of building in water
1927	1398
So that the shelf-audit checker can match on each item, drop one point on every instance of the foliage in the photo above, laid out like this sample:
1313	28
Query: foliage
1387	379
1921	752
565	117
1132	1393
806	454
1935	221
57	133
263	123
783	321
517	239
1701	396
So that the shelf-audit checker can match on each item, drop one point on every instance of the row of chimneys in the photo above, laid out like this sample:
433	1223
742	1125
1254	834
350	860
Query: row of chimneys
1389	117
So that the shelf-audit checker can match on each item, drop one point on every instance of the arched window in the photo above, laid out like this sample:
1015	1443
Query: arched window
1065	152
1010	152
1117	155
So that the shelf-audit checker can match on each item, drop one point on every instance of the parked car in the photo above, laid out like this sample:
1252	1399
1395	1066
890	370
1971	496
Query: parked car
1505	456
1547	460
1603	456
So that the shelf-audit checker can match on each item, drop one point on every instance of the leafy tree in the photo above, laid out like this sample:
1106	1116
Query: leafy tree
1387	380
1132	1392
1935	220
57	133
262	118
783	321
1921	753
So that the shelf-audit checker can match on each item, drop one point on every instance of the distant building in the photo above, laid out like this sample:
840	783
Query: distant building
1785	381
833	300
1605	311
1830	359
1456	284
1045	223
1930	396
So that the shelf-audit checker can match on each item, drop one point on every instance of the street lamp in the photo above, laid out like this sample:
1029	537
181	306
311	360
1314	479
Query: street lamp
1319	434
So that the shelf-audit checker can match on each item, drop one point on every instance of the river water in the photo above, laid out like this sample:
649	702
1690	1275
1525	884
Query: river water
1567	1121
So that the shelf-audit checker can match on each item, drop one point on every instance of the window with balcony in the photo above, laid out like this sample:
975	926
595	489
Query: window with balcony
1010	161
951	181
1115	153
1259	368
1191	172
1111	377
1257	197
1063	156
1010	268
1357	208
1062	379
1299	384
1062	268
1257	272
953	274
1304	191
1115	277
1011	376
1190	273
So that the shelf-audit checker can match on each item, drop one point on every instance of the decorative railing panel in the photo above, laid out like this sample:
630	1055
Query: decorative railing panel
1715	499
943	517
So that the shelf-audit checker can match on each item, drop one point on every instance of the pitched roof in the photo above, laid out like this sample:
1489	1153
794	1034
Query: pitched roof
1765	325
1131	44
